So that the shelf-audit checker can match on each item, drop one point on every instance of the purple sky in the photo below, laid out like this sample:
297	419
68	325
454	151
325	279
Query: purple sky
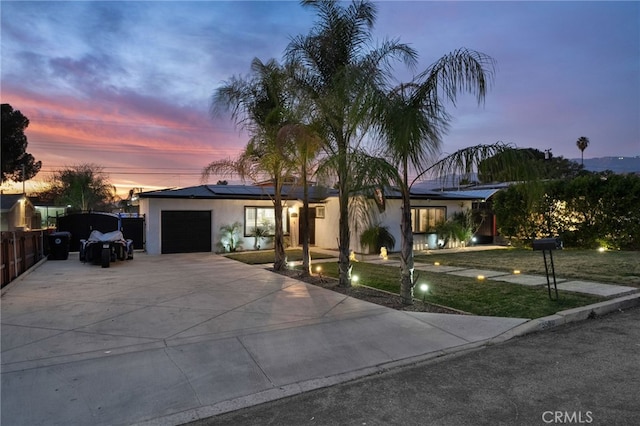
127	85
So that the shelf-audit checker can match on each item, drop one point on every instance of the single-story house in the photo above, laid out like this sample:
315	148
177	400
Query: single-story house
190	219
17	213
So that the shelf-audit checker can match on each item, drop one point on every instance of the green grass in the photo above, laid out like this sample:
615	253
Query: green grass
260	257
491	298
487	298
616	267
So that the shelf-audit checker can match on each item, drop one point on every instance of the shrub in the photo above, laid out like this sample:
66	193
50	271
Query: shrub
230	240
375	237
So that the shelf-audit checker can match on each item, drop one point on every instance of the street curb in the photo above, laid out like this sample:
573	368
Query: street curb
569	316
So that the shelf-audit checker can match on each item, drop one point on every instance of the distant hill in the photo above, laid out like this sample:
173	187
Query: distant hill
615	164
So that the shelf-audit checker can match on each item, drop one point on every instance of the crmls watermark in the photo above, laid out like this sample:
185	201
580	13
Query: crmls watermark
567	417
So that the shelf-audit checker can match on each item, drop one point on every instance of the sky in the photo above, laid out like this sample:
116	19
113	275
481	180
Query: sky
128	85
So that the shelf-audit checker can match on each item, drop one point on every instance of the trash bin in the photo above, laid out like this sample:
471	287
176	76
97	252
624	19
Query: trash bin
59	245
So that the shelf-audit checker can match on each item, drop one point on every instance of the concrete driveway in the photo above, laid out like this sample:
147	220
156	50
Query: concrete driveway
174	338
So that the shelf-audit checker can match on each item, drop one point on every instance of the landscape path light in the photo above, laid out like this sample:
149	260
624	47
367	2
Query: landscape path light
424	288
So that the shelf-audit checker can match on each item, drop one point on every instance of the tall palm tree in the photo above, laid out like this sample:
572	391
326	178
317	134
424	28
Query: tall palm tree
412	119
259	104
338	72
582	143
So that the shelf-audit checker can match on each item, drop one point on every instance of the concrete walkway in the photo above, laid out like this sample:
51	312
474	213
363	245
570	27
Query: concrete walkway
168	339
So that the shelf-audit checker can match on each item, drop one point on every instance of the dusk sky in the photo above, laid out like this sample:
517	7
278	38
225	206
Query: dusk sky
127	85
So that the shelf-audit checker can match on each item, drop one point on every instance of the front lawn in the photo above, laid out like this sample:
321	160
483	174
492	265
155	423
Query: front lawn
490	298
616	267
487	298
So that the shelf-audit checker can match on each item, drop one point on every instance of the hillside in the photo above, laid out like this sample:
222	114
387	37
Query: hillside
615	164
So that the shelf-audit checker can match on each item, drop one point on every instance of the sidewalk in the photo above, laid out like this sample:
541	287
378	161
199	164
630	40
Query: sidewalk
165	340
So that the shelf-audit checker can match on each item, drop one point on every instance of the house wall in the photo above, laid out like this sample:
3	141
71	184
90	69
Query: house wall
223	212
391	218
226	212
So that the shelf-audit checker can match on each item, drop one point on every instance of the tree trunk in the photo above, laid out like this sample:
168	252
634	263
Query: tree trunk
344	264
406	250
306	255
280	260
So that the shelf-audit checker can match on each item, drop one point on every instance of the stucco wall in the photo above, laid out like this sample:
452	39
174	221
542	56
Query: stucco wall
225	212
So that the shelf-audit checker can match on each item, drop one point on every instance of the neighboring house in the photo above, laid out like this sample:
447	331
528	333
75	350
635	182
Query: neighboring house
189	219
17	213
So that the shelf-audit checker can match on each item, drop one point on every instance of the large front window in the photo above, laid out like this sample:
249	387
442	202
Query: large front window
263	217
424	219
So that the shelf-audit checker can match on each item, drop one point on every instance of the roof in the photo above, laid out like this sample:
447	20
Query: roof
428	194
475	194
7	201
240	192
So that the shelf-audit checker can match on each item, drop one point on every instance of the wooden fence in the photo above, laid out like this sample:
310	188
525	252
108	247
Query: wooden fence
20	250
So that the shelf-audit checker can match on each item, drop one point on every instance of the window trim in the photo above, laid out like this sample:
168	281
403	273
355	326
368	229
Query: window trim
285	219
415	213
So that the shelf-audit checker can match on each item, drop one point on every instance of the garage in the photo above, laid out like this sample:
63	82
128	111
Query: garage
185	231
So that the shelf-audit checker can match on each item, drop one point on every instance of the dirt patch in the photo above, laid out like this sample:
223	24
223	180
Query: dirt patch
369	294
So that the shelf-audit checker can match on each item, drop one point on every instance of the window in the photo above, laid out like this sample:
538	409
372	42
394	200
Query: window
320	212
424	219
263	217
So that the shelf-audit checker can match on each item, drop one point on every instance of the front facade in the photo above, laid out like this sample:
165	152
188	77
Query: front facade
200	218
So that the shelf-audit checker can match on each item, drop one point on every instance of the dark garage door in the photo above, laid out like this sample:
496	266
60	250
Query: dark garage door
185	231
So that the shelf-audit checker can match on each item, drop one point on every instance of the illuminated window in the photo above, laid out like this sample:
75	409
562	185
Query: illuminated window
424	219
263	217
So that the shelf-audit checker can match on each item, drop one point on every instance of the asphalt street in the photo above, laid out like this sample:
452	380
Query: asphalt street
586	372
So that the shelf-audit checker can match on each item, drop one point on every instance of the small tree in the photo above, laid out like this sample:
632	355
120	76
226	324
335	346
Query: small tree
82	187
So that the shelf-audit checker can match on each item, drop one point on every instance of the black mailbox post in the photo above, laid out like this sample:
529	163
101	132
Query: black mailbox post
548	245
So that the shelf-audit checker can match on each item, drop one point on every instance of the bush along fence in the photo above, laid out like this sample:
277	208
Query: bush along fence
20	250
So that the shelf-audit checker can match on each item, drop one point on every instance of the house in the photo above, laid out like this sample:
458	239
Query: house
190	219
17	213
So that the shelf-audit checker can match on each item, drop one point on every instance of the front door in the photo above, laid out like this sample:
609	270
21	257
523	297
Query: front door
312	225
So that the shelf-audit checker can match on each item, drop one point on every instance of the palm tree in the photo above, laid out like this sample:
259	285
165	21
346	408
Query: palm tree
338	72
411	120
582	143
303	145
258	104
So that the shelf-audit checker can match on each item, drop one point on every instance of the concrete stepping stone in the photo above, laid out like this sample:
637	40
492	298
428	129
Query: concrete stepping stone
597	289
528	280
473	273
